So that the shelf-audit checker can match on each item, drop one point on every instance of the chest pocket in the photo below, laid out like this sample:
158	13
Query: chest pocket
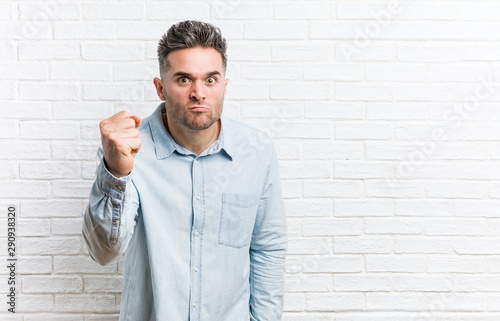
237	219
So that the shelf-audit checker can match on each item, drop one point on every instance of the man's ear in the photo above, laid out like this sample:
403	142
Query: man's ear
159	88
225	85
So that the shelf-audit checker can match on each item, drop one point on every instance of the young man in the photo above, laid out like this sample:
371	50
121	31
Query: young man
191	196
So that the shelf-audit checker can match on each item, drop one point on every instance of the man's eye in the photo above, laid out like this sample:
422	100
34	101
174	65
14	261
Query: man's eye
183	80
211	80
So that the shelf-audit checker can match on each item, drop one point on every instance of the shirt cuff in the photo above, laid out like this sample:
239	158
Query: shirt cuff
109	184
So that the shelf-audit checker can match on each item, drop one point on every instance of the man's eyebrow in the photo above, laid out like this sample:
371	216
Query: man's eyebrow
186	74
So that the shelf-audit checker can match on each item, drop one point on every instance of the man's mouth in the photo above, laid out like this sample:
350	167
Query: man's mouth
198	108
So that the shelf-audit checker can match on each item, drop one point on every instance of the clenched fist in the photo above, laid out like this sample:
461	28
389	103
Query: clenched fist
120	142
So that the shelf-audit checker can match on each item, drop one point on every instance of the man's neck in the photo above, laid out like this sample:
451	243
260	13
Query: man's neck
195	141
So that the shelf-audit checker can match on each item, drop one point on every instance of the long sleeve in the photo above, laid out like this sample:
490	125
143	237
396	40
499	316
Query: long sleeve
111	214
268	251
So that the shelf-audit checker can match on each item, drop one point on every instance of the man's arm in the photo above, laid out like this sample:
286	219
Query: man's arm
111	214
268	251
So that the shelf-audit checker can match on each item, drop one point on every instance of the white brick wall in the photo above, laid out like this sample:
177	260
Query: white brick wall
384	115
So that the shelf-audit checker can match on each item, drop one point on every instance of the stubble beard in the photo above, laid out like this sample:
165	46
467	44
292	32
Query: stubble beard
195	121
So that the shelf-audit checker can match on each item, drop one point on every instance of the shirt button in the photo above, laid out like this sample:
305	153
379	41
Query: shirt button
120	187
196	269
197	162
194	304
197	197
196	233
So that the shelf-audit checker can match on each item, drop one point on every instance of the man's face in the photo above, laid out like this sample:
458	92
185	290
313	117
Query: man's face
194	87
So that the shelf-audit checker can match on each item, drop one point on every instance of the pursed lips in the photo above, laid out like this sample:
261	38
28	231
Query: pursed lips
198	108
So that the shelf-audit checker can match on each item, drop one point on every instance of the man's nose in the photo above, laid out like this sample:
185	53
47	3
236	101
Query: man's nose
198	91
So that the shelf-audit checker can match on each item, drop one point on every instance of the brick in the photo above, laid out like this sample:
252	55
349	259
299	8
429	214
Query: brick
363	207
331	227
84	30
66	226
113	52
9	129
423	283
363	130
9	170
25	189
455	264
7	10
304	130
336	302
85	303
336	72
52	284
362	283
24	71
35	265
332	150
48	50
54	317
48	91
457	189
348	51
272	110
50	10
49	130
340	111
294	302
104	284
50	246
285	72
80	264
396	263
34	303
309	207
304	10
476	283
333	263
362	245
51	208
243	51
7	90
35	227
166	10
278	29
360	10
359	92
387	226
74	151
305	169
310	245
428	53
397	72
303	91
72	189
485	246
240	10
360	169
417	245
476	208
80	71
107	92
427	93
82	110
308	283
22	30
22	110
429	11
456	226
44	170
110	11
140	30
332	188
394	188
293	51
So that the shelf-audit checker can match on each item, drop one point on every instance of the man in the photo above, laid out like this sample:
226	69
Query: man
191	196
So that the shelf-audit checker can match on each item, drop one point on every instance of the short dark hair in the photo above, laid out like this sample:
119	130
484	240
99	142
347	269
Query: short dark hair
190	34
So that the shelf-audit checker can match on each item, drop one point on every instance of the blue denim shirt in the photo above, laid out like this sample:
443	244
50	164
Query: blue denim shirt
204	236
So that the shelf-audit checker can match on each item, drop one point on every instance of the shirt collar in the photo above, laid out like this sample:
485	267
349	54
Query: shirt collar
165	145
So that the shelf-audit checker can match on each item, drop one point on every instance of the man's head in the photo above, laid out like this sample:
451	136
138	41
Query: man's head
190	34
192	57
